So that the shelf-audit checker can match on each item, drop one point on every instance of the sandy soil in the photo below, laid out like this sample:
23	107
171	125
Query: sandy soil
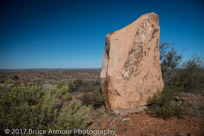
144	125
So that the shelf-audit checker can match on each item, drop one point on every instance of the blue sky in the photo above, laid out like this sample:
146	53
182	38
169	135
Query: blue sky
71	33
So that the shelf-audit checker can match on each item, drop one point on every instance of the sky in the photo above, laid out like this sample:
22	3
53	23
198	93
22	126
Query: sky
71	33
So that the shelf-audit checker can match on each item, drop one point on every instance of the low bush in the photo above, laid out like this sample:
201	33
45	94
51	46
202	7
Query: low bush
37	82
91	89
186	77
73	116
14	77
76	86
165	104
20	106
84	86
94	98
192	76
31	106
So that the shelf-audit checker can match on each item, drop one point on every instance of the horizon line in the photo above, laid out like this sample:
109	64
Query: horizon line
44	68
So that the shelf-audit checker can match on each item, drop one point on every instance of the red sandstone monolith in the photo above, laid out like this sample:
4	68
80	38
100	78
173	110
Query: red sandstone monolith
131	70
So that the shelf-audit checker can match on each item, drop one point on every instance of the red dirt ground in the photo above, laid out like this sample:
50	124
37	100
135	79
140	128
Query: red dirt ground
144	125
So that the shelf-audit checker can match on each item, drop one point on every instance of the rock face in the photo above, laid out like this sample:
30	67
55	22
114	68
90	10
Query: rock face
131	70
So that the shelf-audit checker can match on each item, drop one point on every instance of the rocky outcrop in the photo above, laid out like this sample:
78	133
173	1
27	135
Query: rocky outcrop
131	70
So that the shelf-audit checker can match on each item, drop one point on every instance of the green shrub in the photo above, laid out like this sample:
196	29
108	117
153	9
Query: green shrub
14	77
76	86
84	86
73	116
60	92
37	82
48	112
165	104
91	90
192	76
189	78
31	106
94	98
20	106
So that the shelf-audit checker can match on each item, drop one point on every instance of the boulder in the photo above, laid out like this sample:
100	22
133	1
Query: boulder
131	70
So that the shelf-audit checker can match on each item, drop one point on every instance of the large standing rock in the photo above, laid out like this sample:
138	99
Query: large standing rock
131	70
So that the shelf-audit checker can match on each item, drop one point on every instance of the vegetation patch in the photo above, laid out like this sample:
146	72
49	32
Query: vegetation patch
31	106
178	77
